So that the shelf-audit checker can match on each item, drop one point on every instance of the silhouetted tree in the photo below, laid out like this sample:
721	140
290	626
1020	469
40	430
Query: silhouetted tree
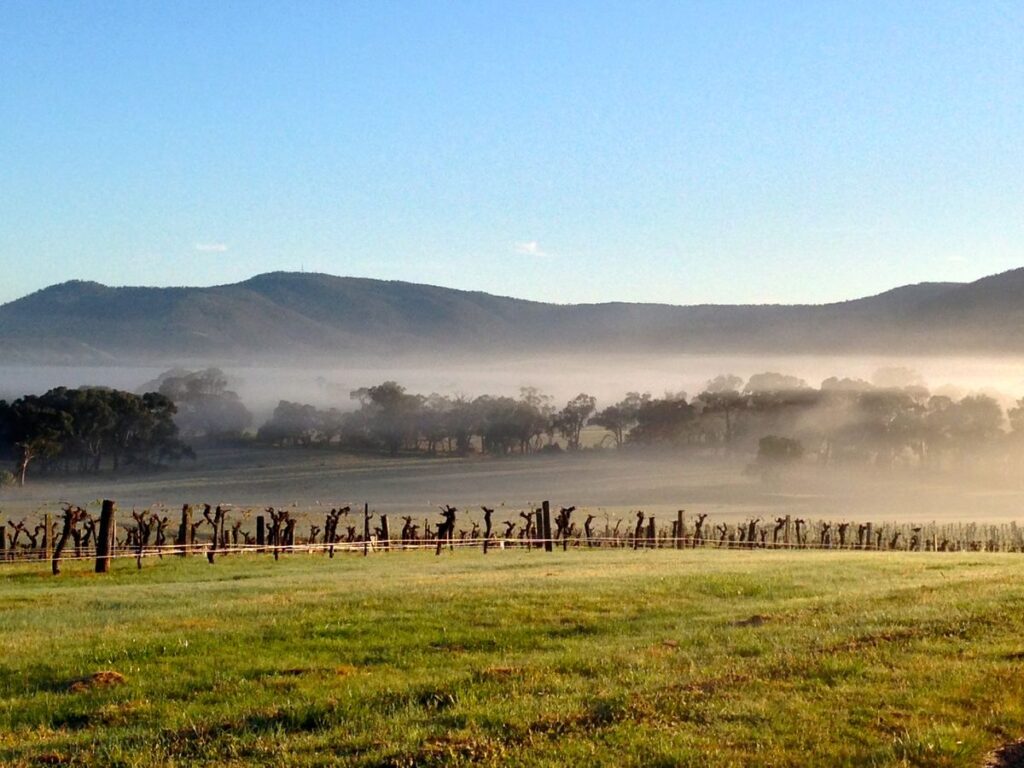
206	407
571	419
620	418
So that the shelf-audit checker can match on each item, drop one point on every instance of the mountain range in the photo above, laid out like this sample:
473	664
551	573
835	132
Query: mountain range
289	316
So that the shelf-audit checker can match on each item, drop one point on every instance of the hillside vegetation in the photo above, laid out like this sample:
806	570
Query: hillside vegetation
295	315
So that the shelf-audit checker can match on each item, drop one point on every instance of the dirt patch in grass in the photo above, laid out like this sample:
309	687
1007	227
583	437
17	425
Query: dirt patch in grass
1007	756
107	678
52	758
342	670
451	749
499	674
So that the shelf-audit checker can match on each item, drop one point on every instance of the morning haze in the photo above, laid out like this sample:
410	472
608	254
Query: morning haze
387	385
315	341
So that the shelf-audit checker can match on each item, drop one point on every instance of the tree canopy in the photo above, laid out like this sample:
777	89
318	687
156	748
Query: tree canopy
80	429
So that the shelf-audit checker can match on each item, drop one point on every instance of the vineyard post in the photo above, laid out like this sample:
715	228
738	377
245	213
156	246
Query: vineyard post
680	528
385	532
788	531
652	533
548	544
539	528
261	532
366	529
105	537
47	537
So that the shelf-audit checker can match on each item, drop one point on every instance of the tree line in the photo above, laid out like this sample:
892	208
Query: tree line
777	418
86	429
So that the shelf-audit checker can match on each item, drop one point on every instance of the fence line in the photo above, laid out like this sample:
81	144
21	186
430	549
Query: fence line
97	537
495	544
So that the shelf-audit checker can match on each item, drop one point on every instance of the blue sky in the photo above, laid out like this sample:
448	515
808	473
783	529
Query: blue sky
678	152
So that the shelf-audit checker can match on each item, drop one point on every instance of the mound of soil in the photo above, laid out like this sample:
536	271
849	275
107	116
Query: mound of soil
103	679
1007	756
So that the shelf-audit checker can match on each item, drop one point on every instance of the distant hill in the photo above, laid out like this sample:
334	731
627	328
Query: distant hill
288	316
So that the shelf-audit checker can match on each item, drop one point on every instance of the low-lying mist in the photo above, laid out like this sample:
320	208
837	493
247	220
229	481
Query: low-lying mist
607	377
980	483
609	484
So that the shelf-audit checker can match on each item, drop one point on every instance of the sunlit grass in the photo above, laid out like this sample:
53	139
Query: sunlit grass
586	657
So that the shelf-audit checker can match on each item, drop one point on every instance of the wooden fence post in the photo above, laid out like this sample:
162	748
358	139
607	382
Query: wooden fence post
366	528
261	532
385	531
185	530
105	537
680	528
548	544
652	533
47	537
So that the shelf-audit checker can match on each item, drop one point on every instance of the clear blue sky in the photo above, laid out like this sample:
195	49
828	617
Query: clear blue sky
678	152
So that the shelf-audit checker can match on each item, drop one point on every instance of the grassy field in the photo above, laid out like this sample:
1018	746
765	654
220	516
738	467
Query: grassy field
615	658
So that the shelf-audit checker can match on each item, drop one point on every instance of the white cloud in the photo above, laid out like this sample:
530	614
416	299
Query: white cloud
212	247
531	248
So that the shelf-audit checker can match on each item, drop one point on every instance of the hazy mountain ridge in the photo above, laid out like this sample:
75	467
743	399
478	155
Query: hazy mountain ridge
291	315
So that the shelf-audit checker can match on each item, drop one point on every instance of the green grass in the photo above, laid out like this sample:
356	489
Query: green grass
611	658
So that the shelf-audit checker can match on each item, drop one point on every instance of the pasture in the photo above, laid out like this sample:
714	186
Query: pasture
586	657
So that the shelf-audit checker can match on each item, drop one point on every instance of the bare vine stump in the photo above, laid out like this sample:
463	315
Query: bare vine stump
105	538
680	532
446	528
71	517
216	521
870	537
261	532
488	512
638	529
652	533
385	532
539	528
3	542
